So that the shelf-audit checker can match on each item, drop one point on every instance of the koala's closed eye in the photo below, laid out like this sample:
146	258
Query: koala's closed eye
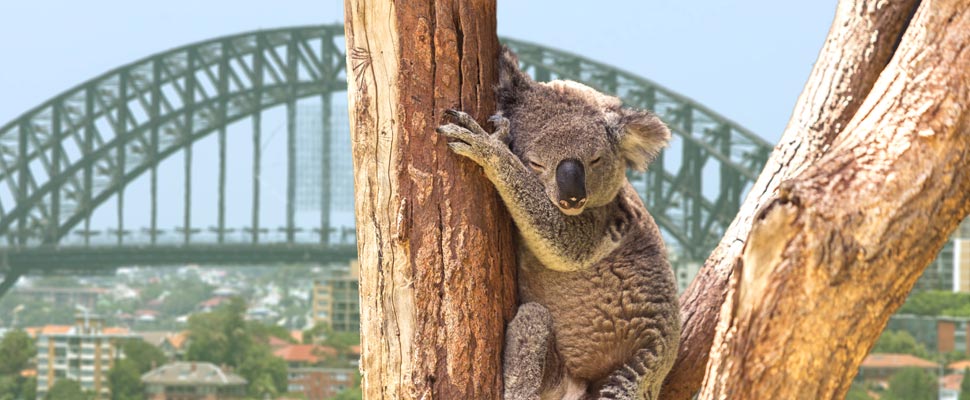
536	166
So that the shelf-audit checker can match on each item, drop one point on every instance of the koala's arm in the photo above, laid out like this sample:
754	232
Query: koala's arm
564	243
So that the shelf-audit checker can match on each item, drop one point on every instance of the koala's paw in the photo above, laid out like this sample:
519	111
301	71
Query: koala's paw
474	142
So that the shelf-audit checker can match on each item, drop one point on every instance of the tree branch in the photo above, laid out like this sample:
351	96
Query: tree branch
835	252
863	38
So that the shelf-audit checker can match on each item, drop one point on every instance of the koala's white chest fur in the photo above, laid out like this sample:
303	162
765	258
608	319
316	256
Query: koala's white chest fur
605	313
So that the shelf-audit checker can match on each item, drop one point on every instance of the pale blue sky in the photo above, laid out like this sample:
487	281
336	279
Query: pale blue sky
746	60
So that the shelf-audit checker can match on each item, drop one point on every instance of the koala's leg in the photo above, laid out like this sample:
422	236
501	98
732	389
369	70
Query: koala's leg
640	378
527	342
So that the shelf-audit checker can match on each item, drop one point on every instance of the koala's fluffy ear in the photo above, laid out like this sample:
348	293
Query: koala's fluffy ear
641	136
512	82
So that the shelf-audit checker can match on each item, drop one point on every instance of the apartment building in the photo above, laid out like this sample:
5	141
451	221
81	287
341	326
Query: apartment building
336	299
83	352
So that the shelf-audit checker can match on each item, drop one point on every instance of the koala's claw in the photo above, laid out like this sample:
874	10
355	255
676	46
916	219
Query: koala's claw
456	132
466	121
486	149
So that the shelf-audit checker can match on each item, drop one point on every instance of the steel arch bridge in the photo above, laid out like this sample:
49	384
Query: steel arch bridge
81	150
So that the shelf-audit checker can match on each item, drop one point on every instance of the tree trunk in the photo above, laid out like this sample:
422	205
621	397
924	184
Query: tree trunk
436	253
863	190
859	45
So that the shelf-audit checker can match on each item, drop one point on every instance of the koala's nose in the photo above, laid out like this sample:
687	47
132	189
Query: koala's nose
571	179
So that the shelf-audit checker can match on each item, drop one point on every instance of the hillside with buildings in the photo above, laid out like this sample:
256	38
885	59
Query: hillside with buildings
187	333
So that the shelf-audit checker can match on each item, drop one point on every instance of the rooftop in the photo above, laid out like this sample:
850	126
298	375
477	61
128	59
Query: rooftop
896	361
951	381
192	373
307	353
959	365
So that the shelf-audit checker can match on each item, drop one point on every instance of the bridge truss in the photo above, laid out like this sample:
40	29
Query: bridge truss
81	150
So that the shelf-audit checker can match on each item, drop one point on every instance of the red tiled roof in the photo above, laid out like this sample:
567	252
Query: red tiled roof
276	343
355	349
959	365
297	336
111	330
213	302
178	340
951	381
307	353
35	331
896	361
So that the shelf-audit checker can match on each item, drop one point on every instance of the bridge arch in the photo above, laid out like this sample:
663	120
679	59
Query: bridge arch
63	159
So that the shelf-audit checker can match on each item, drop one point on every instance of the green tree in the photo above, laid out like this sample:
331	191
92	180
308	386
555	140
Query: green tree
224	337
937	302
965	385
912	384
66	389
265	372
354	394
857	392
143	355
185	295
16	349
263	332
28	388
9	387
900	342
322	333
124	379
221	336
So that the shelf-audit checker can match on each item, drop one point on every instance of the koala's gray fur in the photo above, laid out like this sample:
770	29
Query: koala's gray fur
599	317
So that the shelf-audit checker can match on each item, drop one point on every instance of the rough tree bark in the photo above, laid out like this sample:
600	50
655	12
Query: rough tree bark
436	253
863	189
866	185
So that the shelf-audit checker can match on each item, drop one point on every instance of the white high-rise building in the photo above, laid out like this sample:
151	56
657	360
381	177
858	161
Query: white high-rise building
83	352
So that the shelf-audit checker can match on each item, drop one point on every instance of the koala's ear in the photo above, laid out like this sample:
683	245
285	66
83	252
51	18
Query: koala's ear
512	82
641	136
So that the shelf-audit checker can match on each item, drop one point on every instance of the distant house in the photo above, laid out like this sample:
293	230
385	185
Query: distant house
212	304
146	315
304	355
193	381
276	343
958	366
172	344
880	367
950	386
305	373
320	383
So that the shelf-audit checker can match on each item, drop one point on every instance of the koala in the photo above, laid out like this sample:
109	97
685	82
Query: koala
599	315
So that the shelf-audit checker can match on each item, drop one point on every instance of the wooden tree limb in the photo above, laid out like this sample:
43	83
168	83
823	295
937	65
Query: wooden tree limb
862	40
838	248
435	246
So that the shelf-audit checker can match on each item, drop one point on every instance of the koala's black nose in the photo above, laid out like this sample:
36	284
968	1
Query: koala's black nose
571	179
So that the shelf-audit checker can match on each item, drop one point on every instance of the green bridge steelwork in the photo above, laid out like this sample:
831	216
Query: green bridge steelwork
63	159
